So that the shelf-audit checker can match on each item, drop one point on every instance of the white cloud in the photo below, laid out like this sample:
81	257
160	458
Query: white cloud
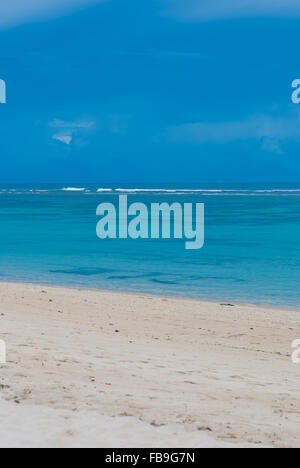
72	125
63	138
69	129
269	130
205	10
15	12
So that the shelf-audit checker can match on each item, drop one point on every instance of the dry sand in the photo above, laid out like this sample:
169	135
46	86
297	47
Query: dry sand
105	369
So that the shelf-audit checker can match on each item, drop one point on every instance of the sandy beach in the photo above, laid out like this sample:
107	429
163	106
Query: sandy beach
107	369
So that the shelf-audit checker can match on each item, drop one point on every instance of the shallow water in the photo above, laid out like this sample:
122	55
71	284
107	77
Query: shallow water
251	252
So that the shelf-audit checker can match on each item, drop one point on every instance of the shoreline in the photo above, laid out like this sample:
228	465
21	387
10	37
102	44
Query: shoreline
158	368
217	302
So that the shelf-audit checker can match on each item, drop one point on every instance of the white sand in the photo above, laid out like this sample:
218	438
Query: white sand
102	369
42	427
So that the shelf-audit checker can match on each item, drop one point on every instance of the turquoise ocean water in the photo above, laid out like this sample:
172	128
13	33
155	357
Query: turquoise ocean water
251	252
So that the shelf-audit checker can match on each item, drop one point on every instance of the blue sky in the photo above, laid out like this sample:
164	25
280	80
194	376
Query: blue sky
149	91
